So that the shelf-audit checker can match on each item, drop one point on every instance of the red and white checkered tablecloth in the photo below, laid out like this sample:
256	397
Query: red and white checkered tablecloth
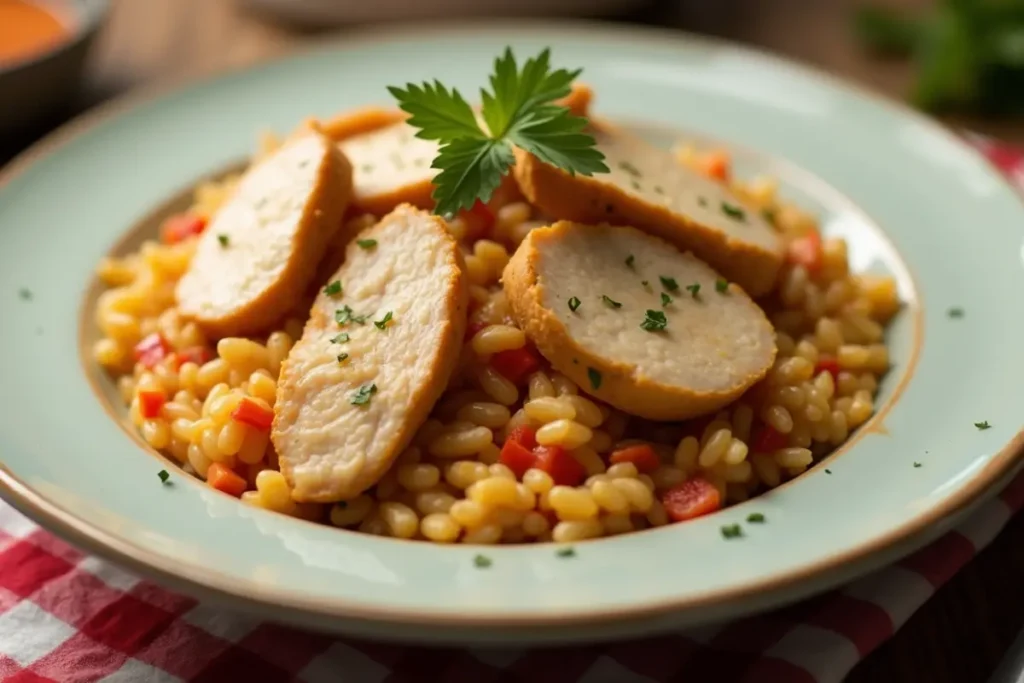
66	617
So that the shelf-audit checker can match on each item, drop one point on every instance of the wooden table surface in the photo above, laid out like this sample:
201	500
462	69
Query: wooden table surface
961	634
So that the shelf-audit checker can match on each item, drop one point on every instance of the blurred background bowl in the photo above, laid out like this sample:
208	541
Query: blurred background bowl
35	88
337	12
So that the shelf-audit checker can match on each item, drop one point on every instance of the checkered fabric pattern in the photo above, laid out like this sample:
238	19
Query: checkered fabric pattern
66	617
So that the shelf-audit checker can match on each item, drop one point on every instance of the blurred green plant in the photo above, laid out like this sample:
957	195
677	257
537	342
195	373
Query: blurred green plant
969	53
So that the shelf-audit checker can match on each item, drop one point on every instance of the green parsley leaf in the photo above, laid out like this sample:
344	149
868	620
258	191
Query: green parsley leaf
362	395
828	471
665	299
567	551
654	321
595	378
630	260
342	357
982	426
755	518
482	562
25	293
693	289
574	303
721	285
669	283
518	111
366	244
470	170
732	531
223	239
333	288
733	211
340	339
955	312
383	322
164	475
439	113
917	464
609	302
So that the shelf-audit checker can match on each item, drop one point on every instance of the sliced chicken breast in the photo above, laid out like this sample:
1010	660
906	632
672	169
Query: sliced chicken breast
649	189
261	249
640	325
378	350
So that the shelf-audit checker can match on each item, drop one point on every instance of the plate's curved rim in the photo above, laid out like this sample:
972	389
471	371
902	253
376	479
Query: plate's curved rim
228	588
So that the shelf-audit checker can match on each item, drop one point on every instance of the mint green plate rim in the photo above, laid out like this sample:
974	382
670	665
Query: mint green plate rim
515	599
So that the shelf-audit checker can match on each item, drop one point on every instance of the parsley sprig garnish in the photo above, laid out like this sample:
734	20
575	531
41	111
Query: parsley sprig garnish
518	110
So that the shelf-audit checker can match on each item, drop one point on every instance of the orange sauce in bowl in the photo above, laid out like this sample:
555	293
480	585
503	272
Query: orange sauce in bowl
28	29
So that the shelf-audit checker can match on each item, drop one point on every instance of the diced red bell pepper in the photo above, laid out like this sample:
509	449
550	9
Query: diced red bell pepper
641	455
473	328
516	364
222	478
253	414
150	403
517	457
827	364
180	227
564	469
806	251
769	440
151	350
195	354
524	436
715	165
479	221
693	498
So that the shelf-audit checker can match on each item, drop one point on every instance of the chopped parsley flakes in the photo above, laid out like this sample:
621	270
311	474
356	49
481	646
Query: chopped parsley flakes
362	396
828	471
733	211
342	357
693	289
595	378
630	260
721	285
25	293
629	168
366	244
955	312
669	283
567	551
982	426
755	518
482	562
164	475
574	303
345	315
611	303
340	338
917	464
654	321
223	239
732	531
383	322
665	299
333	288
